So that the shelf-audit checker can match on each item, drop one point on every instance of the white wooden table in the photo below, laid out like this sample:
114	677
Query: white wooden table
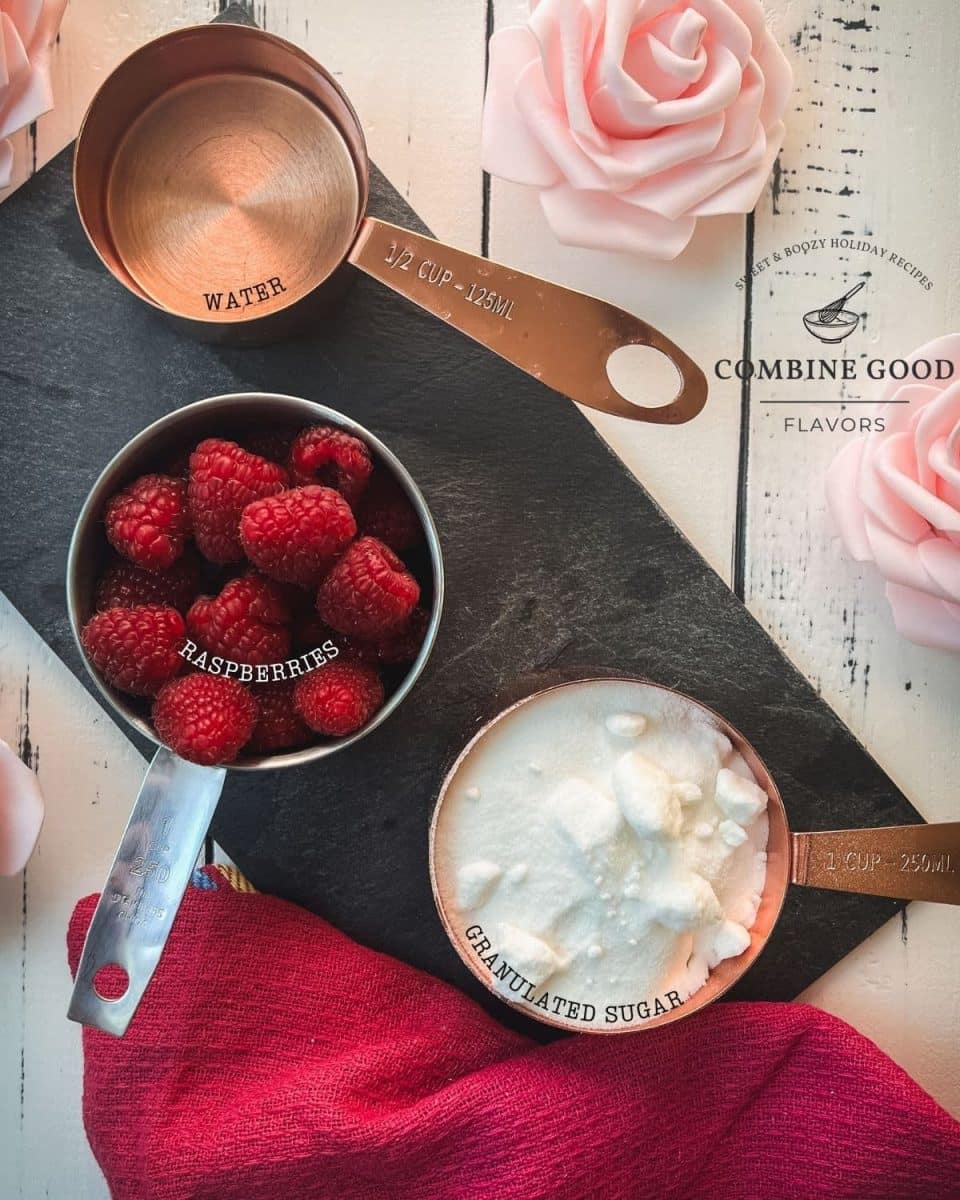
870	150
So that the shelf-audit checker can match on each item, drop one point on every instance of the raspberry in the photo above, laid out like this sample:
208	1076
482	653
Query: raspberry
368	591
123	585
135	649
246	623
279	725
296	535
402	645
205	718
386	513
330	456
337	699
224	479
148	521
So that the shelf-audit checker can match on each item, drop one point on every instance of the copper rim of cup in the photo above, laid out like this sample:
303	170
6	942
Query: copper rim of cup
726	973
88	546
184	56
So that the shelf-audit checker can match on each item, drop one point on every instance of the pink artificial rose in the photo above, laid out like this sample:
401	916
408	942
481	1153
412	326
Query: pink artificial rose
27	31
21	811
895	497
635	117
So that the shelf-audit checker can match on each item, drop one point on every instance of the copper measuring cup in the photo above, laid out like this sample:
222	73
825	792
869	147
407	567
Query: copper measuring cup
177	799
907	862
222	176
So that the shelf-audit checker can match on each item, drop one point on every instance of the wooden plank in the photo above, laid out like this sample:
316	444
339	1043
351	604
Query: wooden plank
416	80
869	154
89	773
694	301
415	76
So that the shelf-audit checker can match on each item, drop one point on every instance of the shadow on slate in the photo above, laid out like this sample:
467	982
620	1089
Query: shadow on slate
556	559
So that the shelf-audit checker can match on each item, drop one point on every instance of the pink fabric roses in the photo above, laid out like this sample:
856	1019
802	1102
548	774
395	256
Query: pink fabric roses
21	811
27	31
635	117
895	497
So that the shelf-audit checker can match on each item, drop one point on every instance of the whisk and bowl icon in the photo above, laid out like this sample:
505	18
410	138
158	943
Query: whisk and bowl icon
834	322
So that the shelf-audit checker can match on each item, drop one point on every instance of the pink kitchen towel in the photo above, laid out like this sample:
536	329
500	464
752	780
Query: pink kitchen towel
275	1059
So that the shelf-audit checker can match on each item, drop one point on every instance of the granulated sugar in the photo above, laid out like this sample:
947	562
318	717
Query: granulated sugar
605	844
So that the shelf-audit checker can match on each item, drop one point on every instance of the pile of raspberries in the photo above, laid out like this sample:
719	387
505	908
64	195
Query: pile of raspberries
298	539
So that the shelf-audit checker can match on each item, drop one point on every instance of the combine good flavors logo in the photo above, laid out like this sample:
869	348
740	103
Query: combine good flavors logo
844	373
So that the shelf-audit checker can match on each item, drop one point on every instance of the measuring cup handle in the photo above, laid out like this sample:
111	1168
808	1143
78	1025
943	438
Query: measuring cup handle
147	881
908	862
561	337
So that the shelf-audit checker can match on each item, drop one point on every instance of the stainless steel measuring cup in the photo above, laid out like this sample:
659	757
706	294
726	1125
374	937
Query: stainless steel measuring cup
177	800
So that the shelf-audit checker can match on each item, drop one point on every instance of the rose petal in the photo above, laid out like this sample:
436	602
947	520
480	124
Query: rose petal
902	417
936	420
667	59
507	147
4	69
924	619
680	190
743	193
619	93
27	16
750	13
900	561
947	472
26	29
622	19
941	560
740	119
728	28
549	126
879	499
630	161
682	33
777	79
897	466
619	104
602	221
21	811
568	59
17	67
844	501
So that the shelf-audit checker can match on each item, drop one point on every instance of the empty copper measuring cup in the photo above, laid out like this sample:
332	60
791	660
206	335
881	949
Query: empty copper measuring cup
222	176
908	862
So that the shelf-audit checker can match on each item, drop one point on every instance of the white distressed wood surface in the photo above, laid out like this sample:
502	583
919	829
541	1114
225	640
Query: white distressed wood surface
868	151
89	773
415	73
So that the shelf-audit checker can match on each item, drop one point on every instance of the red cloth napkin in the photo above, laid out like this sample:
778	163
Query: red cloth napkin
274	1059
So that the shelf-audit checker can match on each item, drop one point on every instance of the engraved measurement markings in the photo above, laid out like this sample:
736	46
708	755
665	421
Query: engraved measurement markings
937	862
135	907
402	258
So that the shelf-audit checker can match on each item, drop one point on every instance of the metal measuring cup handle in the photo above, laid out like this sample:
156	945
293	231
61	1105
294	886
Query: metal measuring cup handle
560	336
906	862
147	881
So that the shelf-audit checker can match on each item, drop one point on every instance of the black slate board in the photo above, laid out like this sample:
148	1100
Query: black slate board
555	559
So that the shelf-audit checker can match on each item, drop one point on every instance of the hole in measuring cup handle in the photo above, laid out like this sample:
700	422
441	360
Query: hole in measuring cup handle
111	982
644	375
